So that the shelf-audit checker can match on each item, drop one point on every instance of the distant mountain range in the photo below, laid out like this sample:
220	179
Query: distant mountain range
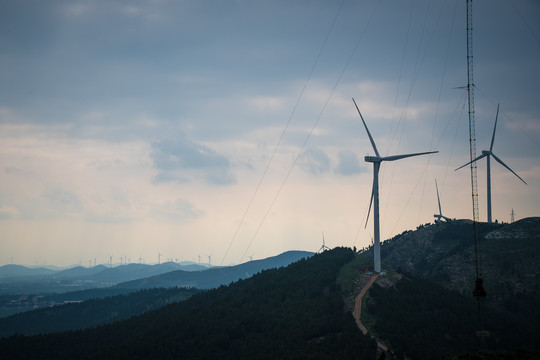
102	272
214	277
98	306
13	271
18	279
79	283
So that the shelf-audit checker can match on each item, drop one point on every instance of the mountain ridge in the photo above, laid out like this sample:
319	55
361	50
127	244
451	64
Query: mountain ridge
215	277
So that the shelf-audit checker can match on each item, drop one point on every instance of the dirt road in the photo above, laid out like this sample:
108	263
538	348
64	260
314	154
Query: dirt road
357	312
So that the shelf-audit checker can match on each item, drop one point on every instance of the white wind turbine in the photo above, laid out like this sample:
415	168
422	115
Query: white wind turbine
487	154
439	216
376	160
323	247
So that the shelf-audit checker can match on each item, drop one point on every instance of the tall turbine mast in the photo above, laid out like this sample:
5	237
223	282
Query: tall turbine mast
479	290
376	160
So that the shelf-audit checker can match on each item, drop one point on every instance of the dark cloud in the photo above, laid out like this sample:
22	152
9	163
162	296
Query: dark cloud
348	164
179	159
315	161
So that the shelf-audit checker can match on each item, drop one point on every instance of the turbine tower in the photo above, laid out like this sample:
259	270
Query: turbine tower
376	160
487	154
439	216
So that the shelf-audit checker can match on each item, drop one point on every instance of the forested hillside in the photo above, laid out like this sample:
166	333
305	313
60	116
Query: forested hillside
92	312
509	259
431	313
293	312
420	319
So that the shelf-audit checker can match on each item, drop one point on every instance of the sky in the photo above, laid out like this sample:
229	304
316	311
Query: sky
226	129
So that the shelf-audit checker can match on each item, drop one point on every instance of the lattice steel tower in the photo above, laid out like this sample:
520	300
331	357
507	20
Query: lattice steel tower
479	288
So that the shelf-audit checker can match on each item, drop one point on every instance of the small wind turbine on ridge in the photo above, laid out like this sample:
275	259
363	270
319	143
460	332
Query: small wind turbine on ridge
376	160
487	154
323	247
439	216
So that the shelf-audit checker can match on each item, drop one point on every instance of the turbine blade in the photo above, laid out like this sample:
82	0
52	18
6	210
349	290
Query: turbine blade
506	166
370	202
438	199
369	134
494	128
470	162
398	157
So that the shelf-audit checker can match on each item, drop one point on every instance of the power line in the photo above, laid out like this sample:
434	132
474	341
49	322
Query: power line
313	127
510	118
535	35
283	132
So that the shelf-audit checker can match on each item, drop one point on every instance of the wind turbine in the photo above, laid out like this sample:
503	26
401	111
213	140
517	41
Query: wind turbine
439	216
376	160
487	154
323	247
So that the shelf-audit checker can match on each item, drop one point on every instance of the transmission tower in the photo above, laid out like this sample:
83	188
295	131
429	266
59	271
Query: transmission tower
512	214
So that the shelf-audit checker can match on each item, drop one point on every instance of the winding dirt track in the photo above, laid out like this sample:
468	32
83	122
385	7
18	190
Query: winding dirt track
357	312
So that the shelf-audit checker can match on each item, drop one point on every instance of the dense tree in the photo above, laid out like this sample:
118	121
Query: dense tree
293	312
422	320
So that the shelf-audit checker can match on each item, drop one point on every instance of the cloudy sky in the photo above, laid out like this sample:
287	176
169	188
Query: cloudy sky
226	128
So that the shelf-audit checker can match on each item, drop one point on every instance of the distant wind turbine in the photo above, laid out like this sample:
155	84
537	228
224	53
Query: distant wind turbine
376	160
439	216
487	154
323	247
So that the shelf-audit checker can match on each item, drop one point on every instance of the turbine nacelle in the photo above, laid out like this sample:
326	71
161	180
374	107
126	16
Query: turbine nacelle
486	152
372	159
